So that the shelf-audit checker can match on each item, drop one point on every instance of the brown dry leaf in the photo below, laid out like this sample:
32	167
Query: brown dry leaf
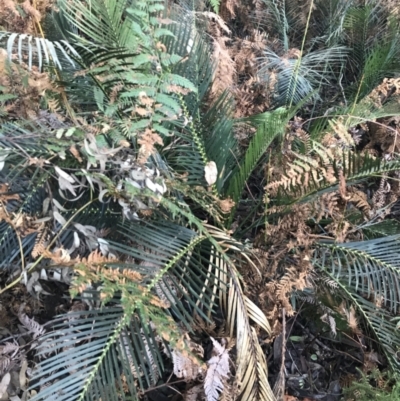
178	89
5	196
30	10
226	205
147	142
10	5
342	186
131	275
225	71
160	46
34	161
350	315
145	100
165	21
187	365
59	257
290	398
142	112
96	257
124	143
21	223
159	303
340	129
339	229
75	153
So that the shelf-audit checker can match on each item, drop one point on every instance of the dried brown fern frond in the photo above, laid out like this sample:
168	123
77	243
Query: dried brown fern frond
349	313
17	17
384	135
359	199
228	8
301	172
339	229
292	280
388	88
147	141
29	87
327	205
289	222
252	96
224	76
41	242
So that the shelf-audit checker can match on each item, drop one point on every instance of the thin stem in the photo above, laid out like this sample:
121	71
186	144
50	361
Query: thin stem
298	62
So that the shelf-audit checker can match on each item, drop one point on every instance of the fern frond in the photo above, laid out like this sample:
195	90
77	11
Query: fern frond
311	176
215	5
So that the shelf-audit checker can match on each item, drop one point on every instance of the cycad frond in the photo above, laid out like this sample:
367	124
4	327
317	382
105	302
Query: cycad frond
38	50
381	229
205	136
98	354
270	126
378	321
368	274
297	75
173	259
372	35
331	18
252	371
371	268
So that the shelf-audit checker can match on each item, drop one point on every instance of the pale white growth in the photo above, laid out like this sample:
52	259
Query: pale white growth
186	365
211	173
5	381
189	45
218	371
65	181
331	321
34	327
3	157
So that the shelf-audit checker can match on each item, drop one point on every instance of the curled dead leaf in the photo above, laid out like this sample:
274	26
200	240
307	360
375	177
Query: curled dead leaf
226	205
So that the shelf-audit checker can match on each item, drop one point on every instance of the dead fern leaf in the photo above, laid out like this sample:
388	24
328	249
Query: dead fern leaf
186	358
217	372
194	393
5	194
34	327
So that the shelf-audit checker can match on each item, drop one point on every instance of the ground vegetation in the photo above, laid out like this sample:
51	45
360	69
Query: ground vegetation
199	200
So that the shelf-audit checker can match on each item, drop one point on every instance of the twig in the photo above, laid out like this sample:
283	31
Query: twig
162	385
279	387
